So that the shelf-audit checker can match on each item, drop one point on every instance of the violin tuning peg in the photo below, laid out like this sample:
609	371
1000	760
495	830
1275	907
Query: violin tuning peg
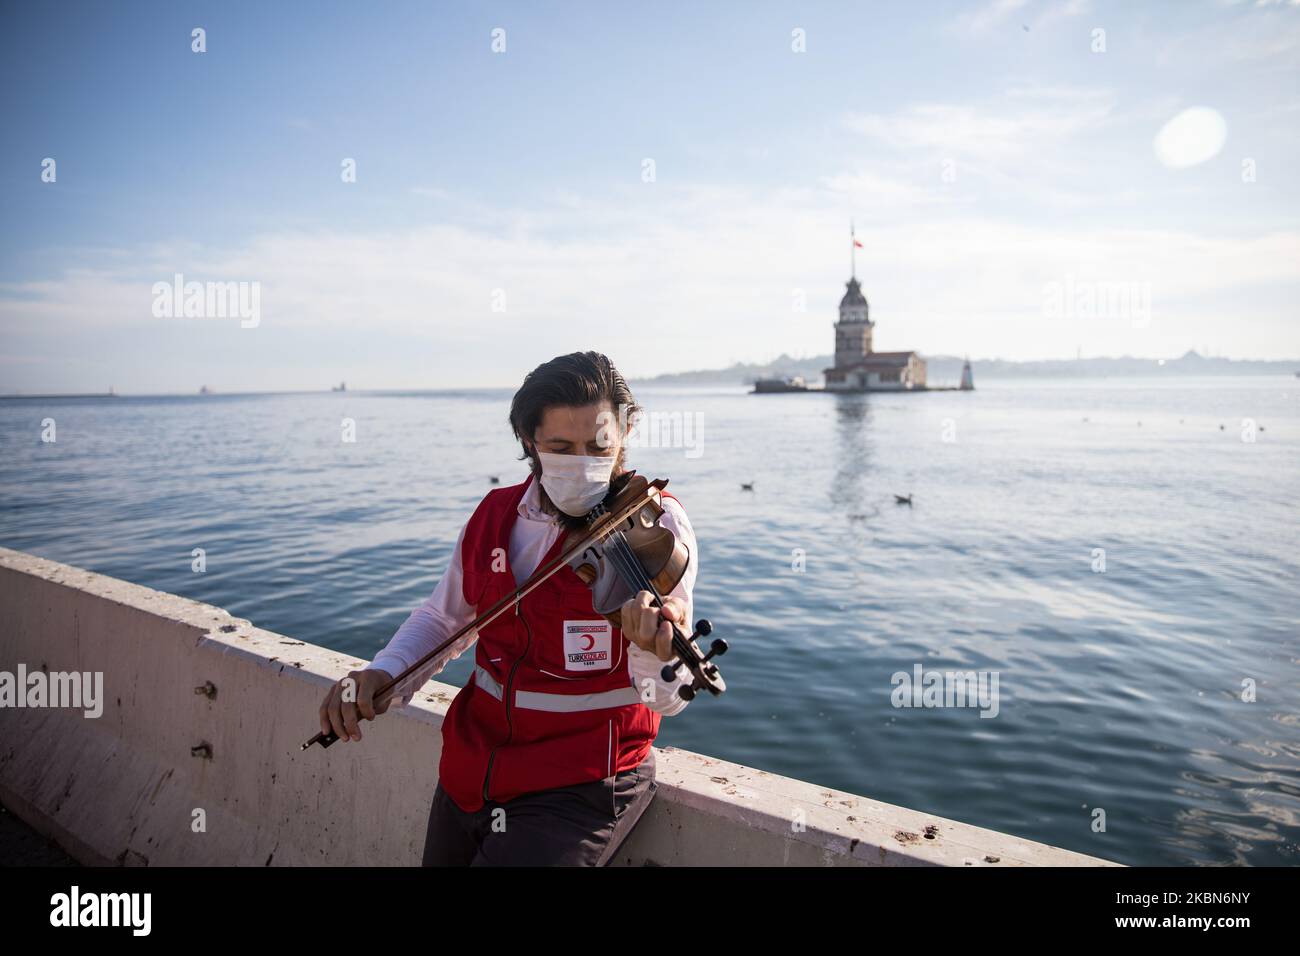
717	648
686	692
703	628
669	670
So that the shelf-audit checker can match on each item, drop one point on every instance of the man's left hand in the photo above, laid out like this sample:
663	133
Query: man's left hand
646	625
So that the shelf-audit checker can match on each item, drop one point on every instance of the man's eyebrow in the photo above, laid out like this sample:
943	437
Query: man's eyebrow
556	441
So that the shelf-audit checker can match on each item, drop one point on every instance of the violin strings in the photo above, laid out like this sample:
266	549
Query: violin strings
631	566
626	561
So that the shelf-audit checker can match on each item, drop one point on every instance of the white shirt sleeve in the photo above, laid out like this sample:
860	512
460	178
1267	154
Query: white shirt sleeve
643	665
442	614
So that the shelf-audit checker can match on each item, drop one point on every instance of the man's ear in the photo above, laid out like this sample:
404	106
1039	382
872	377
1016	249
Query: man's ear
530	451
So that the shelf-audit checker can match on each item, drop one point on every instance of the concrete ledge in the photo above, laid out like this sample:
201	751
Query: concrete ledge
125	788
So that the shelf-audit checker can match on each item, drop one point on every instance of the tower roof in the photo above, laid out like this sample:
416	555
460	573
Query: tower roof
854	294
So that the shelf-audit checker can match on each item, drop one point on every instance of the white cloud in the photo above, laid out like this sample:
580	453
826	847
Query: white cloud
1020	14
1028	121
1265	38
866	188
683	277
990	15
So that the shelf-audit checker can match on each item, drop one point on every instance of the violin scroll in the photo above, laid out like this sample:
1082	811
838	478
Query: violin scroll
704	676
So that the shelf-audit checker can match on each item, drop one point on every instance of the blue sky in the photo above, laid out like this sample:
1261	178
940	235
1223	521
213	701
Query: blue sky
987	151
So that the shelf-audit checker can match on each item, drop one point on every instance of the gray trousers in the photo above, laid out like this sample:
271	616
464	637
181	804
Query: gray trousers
581	825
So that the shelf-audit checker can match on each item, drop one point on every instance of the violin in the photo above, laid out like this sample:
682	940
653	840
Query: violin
622	550
633	552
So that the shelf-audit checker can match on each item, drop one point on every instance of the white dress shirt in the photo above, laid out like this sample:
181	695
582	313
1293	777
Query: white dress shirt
446	611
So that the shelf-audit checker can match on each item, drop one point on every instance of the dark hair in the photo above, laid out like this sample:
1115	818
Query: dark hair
576	379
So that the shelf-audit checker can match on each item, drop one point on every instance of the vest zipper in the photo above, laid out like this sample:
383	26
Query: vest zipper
510	730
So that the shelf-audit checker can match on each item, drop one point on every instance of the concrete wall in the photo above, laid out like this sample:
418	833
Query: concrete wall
123	788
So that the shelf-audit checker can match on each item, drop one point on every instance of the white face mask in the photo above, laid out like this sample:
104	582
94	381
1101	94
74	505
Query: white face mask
576	483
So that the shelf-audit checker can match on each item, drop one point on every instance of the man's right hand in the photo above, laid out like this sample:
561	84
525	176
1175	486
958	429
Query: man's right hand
340	715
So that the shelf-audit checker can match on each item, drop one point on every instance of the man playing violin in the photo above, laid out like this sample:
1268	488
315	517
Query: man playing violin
546	753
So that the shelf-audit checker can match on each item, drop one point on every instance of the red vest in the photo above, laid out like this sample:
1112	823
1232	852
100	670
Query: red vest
551	701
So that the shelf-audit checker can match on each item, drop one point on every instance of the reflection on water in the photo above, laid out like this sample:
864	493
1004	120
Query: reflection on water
1120	690
854	451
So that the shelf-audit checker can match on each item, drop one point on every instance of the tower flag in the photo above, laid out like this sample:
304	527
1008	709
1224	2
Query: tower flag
853	248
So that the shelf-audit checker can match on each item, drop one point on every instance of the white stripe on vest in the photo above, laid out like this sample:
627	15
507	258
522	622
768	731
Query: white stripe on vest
558	703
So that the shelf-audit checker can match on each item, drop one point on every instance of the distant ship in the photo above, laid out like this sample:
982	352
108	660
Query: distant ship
340	387
786	383
204	390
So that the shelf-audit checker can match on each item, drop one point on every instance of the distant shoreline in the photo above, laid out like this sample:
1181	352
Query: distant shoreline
942	368
948	367
66	395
